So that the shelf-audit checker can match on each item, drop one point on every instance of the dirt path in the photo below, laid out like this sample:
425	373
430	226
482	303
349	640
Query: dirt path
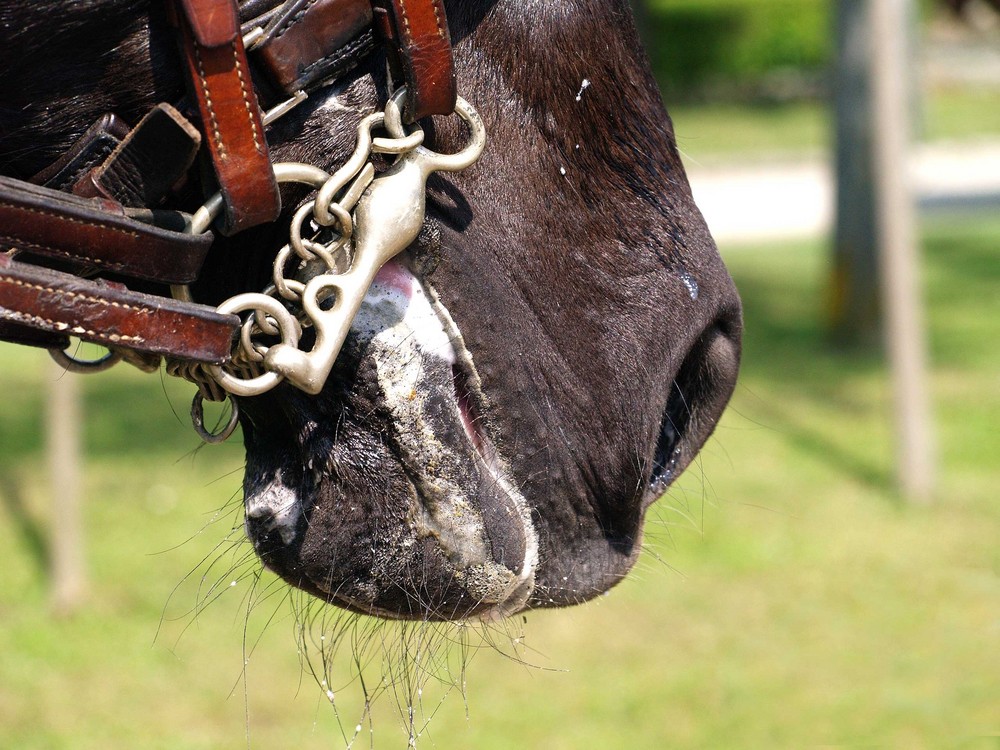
757	202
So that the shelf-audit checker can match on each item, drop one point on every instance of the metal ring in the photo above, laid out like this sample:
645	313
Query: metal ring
286	171
290	332
295	230
249	349
393	121
296	171
343	219
85	366
442	162
198	420
399	145
264	324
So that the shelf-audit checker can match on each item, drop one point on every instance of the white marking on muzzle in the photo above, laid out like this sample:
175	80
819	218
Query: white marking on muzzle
278	504
412	333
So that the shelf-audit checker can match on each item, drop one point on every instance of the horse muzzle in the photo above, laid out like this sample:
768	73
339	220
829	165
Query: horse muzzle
433	527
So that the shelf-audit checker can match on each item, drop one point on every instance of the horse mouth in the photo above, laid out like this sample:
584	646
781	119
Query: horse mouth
457	534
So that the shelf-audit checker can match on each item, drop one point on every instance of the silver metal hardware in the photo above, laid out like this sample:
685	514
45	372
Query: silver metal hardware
338	241
280	110
287	325
387	219
198	420
85	366
252	37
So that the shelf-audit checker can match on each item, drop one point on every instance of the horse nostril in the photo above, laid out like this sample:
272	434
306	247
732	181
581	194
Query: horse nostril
698	395
667	450
257	525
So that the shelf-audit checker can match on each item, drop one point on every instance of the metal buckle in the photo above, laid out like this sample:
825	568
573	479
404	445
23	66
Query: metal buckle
387	219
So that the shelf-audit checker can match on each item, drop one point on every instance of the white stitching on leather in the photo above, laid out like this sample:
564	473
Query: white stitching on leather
62	217
246	100
294	19
113	338
108	263
85	297
437	18
406	20
216	135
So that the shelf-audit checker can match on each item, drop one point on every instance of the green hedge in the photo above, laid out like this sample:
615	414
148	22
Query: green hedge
733	46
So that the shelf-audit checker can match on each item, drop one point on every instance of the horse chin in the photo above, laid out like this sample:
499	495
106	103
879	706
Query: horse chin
432	527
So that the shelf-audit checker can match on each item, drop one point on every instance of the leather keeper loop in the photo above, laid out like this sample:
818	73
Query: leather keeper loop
418	36
310	41
89	151
212	21
15	333
231	121
148	162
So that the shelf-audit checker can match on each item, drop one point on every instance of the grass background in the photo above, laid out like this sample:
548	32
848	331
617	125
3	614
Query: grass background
786	596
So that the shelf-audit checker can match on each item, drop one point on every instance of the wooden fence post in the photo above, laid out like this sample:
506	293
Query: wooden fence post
69	579
853	286
904	328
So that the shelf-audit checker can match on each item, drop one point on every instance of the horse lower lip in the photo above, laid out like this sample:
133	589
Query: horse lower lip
454	514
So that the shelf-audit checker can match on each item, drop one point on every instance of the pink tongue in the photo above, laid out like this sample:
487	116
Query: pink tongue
395	275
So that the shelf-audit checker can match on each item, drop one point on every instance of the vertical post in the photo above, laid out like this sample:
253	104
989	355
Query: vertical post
904	328
63	447
853	286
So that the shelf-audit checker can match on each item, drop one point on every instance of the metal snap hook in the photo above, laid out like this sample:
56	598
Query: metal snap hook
442	162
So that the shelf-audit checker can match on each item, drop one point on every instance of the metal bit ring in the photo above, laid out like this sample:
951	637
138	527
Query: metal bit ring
198	420
85	366
290	332
443	162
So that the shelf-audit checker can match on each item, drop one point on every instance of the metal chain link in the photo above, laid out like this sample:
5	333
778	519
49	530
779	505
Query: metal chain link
338	240
319	243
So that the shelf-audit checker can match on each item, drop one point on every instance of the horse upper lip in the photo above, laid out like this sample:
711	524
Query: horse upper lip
433	393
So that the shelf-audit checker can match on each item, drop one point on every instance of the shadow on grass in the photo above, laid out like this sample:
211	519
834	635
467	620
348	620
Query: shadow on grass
26	526
795	374
792	372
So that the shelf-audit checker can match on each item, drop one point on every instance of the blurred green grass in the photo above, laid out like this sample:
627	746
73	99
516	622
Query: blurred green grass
721	131
786	597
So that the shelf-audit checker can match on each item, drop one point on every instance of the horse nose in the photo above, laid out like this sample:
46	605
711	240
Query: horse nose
698	395
262	531
270	524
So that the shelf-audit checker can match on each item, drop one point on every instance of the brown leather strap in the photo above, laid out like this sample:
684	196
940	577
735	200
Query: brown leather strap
88	234
16	333
417	31
151	159
111	315
231	120
311	41
92	148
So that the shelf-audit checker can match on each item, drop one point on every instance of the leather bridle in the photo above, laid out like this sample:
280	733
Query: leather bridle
99	210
